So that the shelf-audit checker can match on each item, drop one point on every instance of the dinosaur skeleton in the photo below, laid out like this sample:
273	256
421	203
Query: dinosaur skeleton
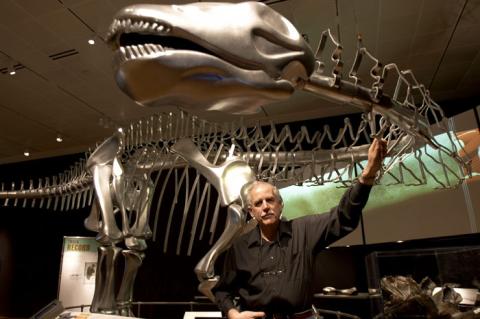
167	55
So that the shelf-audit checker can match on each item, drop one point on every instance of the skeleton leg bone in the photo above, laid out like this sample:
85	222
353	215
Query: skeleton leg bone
101	176
101	165
133	261
118	191
236	220
228	178
92	222
104	295
140	227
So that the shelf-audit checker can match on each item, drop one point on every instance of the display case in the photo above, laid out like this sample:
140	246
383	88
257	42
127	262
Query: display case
424	283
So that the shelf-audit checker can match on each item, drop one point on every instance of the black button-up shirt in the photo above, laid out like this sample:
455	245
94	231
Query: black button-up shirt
276	276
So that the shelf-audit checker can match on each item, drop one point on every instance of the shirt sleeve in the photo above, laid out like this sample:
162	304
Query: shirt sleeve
224	290
324	229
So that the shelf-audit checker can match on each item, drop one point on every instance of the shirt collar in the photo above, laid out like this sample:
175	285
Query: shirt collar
285	229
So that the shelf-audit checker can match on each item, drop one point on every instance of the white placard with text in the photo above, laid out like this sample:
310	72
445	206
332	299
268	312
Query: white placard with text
78	270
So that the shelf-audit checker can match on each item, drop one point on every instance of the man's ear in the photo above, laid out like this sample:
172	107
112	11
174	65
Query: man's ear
250	212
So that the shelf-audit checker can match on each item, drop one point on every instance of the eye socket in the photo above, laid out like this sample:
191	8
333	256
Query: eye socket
258	203
268	200
268	47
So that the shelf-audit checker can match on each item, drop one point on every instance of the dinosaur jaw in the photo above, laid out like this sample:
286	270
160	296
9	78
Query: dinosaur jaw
160	63
182	79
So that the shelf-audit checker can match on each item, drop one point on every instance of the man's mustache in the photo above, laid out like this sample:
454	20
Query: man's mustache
266	214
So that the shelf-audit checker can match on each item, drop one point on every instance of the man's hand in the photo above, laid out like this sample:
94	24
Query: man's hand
235	314
376	154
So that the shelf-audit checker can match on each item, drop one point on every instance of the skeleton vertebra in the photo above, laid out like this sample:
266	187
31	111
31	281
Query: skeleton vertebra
232	67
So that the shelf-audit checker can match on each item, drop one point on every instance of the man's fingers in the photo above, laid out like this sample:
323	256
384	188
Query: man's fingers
384	148
253	314
379	146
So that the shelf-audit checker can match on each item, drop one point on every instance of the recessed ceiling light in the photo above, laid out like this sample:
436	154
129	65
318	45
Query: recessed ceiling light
59	138
26	153
399	241
91	41
11	68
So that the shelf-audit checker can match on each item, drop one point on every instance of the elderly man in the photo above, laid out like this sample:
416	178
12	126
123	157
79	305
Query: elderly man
270	268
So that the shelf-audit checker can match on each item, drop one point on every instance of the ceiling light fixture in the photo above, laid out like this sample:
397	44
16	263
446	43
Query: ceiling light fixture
91	41
59	138
26	153
11	69
11	66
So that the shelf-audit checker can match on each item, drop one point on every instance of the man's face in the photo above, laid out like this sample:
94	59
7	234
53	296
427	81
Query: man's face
265	207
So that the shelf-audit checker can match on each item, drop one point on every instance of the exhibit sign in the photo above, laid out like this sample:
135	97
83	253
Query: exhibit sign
77	271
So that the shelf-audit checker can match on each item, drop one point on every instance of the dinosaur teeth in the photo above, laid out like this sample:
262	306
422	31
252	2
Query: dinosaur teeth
150	48
130	52
154	48
143	49
128	26
120	26
114	27
135	49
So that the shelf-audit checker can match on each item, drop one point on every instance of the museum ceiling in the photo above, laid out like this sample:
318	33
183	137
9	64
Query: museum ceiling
64	86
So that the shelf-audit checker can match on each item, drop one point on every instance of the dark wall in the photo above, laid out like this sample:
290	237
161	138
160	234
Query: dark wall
31	244
31	240
30	256
345	267
452	259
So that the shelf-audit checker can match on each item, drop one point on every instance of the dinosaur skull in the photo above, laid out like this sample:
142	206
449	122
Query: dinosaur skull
208	56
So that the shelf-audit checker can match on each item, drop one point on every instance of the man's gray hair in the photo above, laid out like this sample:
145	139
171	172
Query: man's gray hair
247	189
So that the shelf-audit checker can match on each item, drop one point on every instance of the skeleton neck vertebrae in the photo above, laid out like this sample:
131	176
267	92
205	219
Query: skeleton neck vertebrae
159	63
